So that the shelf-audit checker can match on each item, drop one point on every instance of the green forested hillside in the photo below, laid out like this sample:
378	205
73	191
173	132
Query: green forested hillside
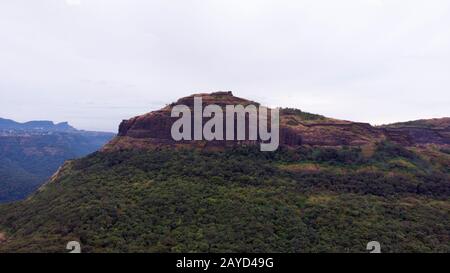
239	200
27	160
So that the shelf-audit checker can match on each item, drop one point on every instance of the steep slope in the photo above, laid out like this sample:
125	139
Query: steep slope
238	200
28	157
144	193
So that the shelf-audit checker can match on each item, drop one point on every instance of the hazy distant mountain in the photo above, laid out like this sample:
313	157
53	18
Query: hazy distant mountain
332	186
31	152
42	125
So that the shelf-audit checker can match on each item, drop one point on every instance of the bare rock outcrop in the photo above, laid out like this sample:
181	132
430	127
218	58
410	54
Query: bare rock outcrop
296	128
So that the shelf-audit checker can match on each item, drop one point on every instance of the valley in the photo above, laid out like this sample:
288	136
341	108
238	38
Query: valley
31	152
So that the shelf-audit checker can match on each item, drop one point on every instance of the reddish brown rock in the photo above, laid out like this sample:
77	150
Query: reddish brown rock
419	132
296	128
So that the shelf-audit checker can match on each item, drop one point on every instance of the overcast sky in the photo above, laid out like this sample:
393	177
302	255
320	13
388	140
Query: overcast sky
96	62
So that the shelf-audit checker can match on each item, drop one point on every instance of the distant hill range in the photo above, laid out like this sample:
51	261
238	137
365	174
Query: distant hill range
41	125
31	152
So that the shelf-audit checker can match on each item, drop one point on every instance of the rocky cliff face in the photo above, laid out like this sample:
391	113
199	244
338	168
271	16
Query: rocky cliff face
434	131
296	128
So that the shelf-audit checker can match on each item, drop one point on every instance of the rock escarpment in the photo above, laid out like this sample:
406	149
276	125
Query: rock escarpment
296	128
431	131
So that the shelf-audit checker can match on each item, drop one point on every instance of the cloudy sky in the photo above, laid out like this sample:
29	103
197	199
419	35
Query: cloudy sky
96	62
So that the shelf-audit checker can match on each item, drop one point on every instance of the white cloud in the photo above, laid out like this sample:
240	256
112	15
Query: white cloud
365	60
73	2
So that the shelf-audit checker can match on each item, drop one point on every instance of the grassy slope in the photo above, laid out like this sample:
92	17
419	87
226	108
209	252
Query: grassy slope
237	201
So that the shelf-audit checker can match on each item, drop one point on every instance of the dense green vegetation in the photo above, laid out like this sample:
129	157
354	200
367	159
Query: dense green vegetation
15	181
238	200
27	161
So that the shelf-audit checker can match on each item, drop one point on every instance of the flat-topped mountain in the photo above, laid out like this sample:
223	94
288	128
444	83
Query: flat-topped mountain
296	128
44	125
